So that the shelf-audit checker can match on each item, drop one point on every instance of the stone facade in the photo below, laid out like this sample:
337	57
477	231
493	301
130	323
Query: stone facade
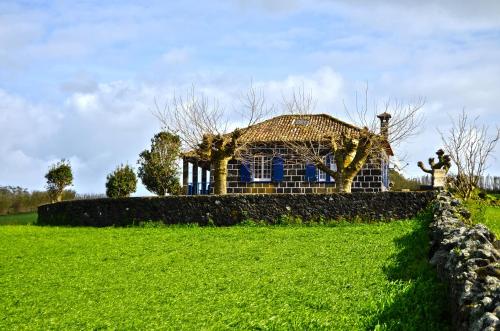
369	179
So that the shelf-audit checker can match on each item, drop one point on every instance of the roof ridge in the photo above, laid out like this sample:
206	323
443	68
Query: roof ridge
330	117
340	121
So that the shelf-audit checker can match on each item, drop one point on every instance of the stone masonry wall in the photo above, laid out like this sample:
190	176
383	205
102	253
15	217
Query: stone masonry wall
226	210
467	258
369	179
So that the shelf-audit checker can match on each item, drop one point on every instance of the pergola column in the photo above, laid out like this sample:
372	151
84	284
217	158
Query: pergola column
203	181
195	177
185	175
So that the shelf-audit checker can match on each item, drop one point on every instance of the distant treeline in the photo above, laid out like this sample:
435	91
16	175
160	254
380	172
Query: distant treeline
15	199
487	183
490	183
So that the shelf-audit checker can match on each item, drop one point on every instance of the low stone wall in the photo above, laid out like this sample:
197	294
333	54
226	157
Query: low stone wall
232	209
467	259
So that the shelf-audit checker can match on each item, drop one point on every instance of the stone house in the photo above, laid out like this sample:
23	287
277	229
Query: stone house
272	167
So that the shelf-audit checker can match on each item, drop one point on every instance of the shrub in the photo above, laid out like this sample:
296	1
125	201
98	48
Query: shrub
121	182
158	169
58	177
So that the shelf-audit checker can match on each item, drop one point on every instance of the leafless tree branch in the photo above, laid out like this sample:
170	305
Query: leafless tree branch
469	145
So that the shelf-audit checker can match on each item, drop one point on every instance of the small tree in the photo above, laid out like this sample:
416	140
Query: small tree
58	177
121	182
158	169
470	145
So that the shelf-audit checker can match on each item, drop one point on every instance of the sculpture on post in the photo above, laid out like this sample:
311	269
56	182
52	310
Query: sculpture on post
437	170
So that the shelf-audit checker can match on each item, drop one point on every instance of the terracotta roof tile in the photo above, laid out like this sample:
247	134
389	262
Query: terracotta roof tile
296	128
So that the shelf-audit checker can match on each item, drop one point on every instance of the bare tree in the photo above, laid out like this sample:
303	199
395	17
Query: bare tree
469	145
354	145
202	126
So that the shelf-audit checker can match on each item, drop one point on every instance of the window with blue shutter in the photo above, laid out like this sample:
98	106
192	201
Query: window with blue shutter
323	176
310	172
277	175
245	173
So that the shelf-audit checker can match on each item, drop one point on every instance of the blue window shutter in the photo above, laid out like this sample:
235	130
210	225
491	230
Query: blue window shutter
277	169
328	162
310	172
245	175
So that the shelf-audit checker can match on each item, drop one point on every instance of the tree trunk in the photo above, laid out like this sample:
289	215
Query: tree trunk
343	182
220	175
345	185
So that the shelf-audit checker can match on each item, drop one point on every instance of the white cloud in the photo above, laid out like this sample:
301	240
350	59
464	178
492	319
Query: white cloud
83	102
95	131
25	127
324	85
24	123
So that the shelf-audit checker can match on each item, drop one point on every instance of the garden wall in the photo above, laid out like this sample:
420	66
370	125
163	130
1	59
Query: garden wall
232	209
467	259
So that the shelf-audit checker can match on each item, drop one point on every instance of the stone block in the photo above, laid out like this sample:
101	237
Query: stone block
439	178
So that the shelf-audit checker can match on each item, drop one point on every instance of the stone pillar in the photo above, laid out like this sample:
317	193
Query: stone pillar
185	176
195	177
439	178
203	181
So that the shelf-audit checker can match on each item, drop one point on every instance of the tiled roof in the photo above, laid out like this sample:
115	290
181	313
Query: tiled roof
296	128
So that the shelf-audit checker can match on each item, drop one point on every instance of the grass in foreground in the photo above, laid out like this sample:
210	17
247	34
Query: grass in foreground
492	219
487	214
262	278
18	219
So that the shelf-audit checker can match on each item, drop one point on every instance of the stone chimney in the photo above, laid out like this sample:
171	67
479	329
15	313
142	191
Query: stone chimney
384	124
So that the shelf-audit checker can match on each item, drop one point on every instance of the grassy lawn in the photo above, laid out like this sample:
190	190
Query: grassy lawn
495	195
348	277
18	219
492	219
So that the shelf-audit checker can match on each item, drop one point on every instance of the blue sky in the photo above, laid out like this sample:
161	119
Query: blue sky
78	79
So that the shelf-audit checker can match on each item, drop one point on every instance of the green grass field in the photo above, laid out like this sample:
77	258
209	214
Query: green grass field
349	277
492	219
18	219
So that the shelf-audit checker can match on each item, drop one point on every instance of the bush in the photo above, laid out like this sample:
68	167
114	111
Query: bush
121	182
158	167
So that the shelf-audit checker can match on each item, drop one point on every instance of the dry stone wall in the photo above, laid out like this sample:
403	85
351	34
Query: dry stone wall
232	209
467	259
